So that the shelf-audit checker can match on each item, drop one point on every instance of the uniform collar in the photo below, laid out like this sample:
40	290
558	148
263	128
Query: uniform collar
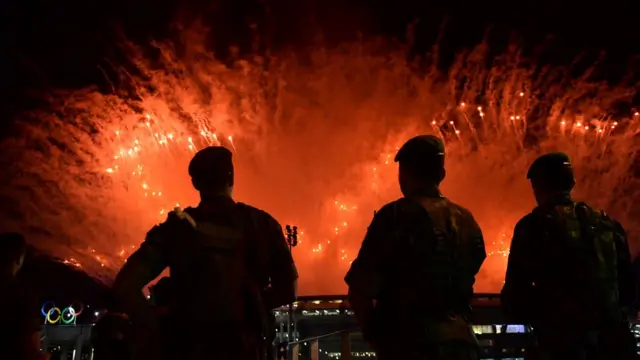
429	192
563	198
215	202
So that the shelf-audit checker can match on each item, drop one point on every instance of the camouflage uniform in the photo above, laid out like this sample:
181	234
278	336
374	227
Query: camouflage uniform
222	256
418	262
569	276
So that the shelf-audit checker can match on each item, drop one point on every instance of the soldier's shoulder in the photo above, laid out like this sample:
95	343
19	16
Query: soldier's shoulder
255	211
591	211
390	206
390	209
588	208
176	219
526	222
604	216
463	211
261	216
176	216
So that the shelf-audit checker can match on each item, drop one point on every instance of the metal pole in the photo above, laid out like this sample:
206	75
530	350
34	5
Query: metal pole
290	313
315	349
295	351
345	345
292	240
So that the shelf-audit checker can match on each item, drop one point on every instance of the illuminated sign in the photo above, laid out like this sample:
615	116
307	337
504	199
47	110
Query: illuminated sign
53	315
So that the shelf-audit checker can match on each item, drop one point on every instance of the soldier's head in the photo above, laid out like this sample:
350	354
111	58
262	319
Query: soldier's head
211	171
551	174
421	161
13	249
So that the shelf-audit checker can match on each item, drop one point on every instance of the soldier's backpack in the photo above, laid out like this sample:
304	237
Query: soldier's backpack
215	270
579	276
432	255
430	284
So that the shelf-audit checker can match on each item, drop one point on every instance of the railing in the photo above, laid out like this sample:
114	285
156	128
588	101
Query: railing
496	342
311	348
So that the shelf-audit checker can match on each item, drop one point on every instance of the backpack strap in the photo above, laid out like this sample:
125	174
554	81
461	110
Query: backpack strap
583	212
255	242
256	249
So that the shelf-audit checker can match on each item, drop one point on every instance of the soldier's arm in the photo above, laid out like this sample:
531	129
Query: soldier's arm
365	276
478	251
282	269
518	291
144	265
626	278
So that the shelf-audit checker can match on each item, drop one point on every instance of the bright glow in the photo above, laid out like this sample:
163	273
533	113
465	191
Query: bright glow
313	145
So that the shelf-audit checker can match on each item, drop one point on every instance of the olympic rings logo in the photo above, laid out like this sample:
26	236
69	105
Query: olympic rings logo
53	315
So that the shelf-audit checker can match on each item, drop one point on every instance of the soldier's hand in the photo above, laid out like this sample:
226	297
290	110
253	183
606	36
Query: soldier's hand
147	343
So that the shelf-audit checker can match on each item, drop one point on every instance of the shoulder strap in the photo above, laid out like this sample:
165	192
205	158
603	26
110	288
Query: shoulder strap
247	219
583	212
592	222
255	251
256	245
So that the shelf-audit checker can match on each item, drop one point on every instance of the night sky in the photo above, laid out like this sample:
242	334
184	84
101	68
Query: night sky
63	44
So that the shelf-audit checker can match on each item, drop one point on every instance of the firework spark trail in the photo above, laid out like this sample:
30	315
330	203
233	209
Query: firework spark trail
314	143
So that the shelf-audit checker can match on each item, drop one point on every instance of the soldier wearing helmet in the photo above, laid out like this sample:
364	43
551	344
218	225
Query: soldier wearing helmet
569	272
552	178
417	265
229	265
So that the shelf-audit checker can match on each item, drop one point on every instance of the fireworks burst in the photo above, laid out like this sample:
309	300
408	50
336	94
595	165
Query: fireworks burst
313	142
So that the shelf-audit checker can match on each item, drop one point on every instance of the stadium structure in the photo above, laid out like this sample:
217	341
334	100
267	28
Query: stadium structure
322	327
321	324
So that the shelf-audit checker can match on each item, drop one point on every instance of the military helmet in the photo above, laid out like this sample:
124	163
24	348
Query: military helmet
421	149
553	169
211	163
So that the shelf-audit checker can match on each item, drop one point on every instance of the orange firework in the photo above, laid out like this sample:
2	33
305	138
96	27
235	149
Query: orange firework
313	143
